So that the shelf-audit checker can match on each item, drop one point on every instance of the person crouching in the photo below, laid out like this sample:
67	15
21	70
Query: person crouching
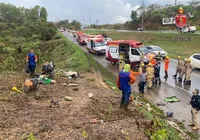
124	81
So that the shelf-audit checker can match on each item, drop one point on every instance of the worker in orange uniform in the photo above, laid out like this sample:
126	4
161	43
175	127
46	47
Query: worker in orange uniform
152	60
166	61
124	81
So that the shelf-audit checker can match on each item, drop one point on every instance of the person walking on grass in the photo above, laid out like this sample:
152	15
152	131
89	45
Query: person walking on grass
124	81
32	59
143	80
195	103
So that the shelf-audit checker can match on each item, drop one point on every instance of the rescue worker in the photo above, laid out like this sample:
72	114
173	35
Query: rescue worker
188	72
142	58
32	59
157	74
158	57
178	68
183	71
142	66
124	81
152	60
166	61
150	75
195	103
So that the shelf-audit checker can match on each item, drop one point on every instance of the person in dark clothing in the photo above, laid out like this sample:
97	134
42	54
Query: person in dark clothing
158	57
32	59
195	103
157	74
124	81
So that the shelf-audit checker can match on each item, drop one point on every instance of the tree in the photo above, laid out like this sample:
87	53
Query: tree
134	15
43	13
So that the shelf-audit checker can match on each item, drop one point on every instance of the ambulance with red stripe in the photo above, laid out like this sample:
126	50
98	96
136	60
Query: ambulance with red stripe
96	46
132	50
92	36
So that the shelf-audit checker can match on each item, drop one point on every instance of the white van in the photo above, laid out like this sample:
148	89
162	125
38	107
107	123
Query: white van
131	51
96	46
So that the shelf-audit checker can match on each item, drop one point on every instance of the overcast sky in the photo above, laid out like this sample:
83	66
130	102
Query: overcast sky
105	11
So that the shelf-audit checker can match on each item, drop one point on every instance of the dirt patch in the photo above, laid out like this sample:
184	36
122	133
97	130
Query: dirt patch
21	114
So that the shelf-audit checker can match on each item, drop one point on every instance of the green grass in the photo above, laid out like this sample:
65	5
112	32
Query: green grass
64	53
183	49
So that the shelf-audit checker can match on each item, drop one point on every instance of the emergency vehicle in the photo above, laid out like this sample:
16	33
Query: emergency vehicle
130	51
96	45
81	38
92	36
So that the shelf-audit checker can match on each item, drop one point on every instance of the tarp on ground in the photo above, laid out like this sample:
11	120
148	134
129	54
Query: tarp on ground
172	99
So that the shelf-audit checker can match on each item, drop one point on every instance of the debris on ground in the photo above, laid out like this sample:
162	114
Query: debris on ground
90	95
73	84
64	84
67	98
161	104
169	114
172	99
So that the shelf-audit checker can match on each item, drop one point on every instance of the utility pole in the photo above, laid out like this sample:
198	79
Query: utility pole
89	19
96	23
142	18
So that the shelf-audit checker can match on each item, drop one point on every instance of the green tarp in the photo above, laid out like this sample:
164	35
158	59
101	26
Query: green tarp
171	99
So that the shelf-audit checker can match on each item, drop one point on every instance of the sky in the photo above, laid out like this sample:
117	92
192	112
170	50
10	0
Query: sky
89	11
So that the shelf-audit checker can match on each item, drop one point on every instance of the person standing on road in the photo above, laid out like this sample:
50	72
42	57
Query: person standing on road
157	74
152	60
124	81
178	68
188	72
32	59
158	57
195	103
166	61
183	71
150	75
143	80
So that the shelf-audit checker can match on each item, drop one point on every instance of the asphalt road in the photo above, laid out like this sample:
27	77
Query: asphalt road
168	87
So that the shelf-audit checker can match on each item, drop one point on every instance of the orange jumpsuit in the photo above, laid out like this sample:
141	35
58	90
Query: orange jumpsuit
166	61
153	62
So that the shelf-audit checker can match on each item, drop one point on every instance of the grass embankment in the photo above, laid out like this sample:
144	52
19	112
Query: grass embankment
167	41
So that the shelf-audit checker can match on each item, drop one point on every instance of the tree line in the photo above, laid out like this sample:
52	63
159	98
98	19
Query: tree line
21	29
73	25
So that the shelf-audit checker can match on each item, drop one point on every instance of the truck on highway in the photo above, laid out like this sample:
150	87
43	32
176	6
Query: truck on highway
96	46
81	38
129	51
188	29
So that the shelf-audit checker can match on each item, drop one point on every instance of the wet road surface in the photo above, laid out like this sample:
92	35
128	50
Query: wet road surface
159	93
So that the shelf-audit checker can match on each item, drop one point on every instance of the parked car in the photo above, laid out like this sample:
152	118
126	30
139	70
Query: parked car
156	49
195	60
189	29
140	29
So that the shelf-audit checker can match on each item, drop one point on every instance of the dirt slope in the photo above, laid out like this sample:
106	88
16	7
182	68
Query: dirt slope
21	114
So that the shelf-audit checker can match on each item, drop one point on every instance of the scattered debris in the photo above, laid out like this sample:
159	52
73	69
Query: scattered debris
84	134
67	98
113	88
73	84
15	89
169	114
54	103
149	107
75	89
96	121
90	95
161	104
64	84
171	99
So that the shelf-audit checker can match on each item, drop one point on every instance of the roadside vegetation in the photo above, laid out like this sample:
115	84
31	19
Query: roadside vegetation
153	15
167	41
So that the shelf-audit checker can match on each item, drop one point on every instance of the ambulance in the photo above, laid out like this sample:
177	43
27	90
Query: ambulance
129	51
96	46
81	38
92	36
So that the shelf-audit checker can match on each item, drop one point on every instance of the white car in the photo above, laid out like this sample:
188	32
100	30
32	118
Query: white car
195	60
156	49
190	29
